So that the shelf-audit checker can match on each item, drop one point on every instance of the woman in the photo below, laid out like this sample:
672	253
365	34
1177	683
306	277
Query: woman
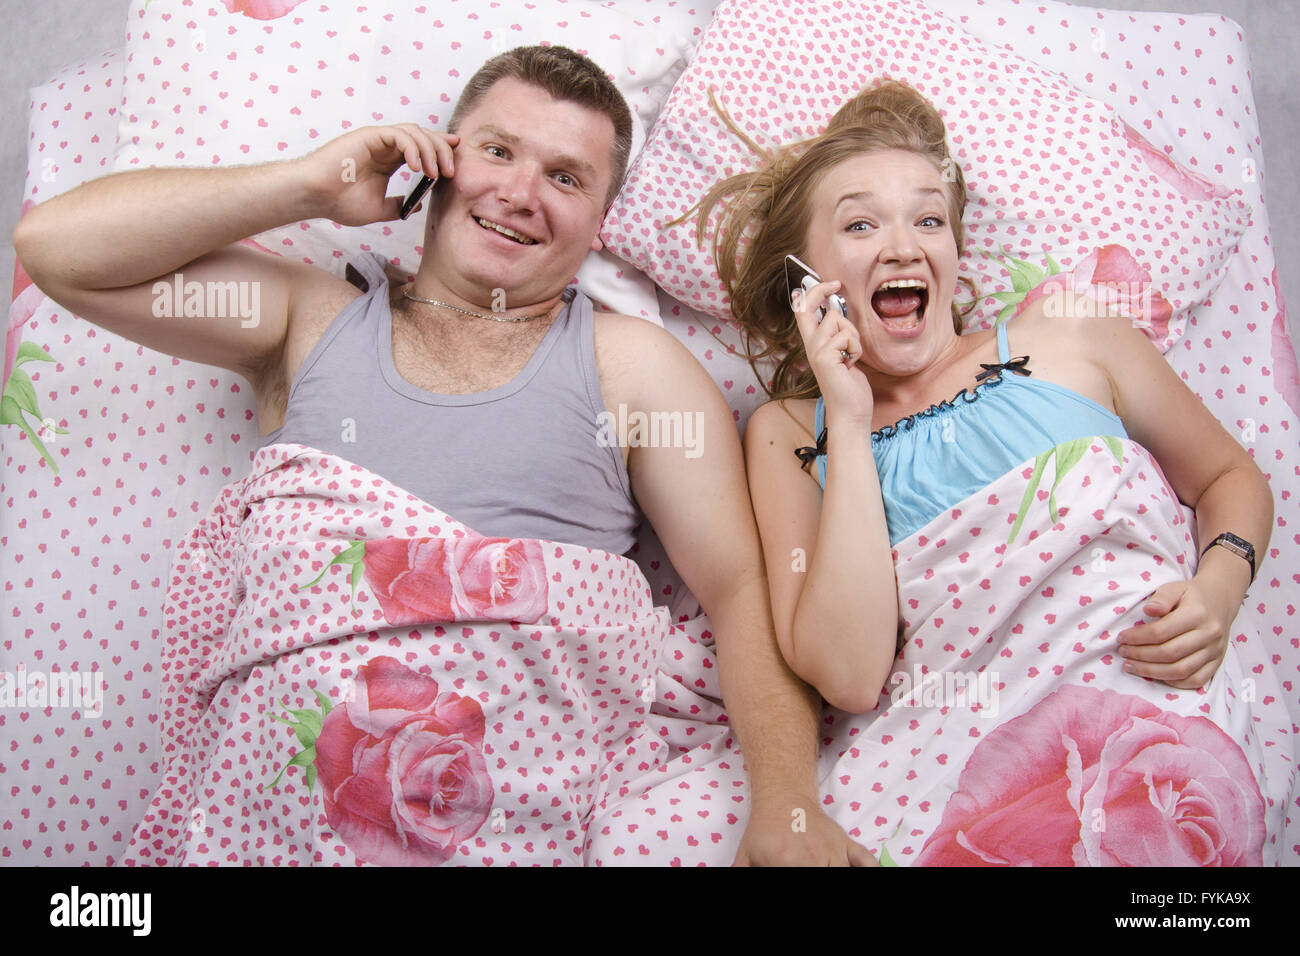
886	474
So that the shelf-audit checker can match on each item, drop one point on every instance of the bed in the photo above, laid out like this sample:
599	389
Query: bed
112	455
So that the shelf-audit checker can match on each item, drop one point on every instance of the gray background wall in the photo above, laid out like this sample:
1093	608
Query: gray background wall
39	38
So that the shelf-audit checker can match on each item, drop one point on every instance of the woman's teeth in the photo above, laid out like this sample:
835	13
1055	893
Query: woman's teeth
900	303
505	231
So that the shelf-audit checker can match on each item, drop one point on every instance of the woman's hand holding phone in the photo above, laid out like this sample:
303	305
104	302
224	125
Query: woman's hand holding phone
832	344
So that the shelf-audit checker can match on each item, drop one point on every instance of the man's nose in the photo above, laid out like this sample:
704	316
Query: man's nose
520	185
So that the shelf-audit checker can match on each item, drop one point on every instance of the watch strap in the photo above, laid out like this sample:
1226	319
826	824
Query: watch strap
1238	546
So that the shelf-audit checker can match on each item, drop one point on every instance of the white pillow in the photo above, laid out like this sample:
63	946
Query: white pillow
1056	180
254	81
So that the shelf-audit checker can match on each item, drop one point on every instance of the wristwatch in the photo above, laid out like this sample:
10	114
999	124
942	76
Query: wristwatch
1238	546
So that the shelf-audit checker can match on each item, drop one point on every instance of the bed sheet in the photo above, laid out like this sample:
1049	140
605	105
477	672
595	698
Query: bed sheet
1237	356
149	440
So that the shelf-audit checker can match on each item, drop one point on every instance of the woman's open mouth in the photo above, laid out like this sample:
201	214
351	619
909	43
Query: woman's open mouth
900	303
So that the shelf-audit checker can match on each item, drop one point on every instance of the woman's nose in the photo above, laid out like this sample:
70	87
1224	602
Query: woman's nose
899	244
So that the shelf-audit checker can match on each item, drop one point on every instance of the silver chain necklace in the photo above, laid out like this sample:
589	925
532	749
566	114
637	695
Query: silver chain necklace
478	315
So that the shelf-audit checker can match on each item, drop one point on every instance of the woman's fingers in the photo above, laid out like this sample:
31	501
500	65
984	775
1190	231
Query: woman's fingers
1190	671
807	304
819	333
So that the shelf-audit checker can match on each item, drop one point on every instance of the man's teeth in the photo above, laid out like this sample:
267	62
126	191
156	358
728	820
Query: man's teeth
517	237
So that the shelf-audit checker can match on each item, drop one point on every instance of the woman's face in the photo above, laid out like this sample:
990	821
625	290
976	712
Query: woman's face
880	225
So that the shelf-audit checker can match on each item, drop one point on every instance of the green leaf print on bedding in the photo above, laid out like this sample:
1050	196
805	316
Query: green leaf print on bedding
306	728
1025	278
1067	455
19	400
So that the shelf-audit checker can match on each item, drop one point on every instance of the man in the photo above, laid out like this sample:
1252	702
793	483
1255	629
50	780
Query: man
536	152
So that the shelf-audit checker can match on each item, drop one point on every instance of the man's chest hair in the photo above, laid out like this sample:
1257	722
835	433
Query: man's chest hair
457	358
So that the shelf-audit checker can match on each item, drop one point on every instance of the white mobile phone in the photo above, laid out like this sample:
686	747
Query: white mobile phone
800	278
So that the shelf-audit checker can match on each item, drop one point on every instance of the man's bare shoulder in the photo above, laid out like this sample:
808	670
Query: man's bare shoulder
632	352
620	331
317	296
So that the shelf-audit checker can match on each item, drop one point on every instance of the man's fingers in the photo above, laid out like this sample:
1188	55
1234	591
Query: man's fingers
859	855
396	140
436	155
444	150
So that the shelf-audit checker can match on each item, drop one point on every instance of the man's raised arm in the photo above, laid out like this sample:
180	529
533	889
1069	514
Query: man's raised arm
117	250
698	504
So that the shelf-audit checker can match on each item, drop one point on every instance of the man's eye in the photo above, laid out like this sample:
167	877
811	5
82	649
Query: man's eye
564	179
498	151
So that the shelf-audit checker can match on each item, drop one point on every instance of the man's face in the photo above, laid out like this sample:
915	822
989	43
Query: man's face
527	197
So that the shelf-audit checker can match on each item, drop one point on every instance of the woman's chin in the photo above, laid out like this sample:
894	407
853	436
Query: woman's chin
903	329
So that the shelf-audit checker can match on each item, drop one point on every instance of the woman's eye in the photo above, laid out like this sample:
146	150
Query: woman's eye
859	225
933	221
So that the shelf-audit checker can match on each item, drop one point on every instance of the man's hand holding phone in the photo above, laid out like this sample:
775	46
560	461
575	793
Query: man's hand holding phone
349	175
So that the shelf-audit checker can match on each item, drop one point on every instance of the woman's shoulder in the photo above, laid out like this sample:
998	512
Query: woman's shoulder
785	419
1065	319
1070	345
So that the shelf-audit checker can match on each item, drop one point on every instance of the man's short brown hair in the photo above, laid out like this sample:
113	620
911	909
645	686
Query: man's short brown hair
564	75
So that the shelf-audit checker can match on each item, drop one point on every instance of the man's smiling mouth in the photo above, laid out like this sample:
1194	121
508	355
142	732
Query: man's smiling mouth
506	231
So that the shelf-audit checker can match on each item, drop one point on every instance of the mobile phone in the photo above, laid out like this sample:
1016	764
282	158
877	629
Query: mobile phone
799	277
417	194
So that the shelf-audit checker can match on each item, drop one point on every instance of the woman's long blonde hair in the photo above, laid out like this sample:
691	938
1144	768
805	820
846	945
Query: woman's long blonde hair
767	217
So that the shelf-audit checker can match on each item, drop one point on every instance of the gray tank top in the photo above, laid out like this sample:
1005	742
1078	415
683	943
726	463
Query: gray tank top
518	461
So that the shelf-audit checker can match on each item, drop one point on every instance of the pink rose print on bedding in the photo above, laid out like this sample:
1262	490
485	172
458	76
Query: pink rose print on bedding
26	297
1098	778
470	578
261	9
401	767
1110	274
498	579
18	397
1189	184
1286	375
411	577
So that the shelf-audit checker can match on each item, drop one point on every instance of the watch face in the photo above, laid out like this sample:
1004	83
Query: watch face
1242	543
